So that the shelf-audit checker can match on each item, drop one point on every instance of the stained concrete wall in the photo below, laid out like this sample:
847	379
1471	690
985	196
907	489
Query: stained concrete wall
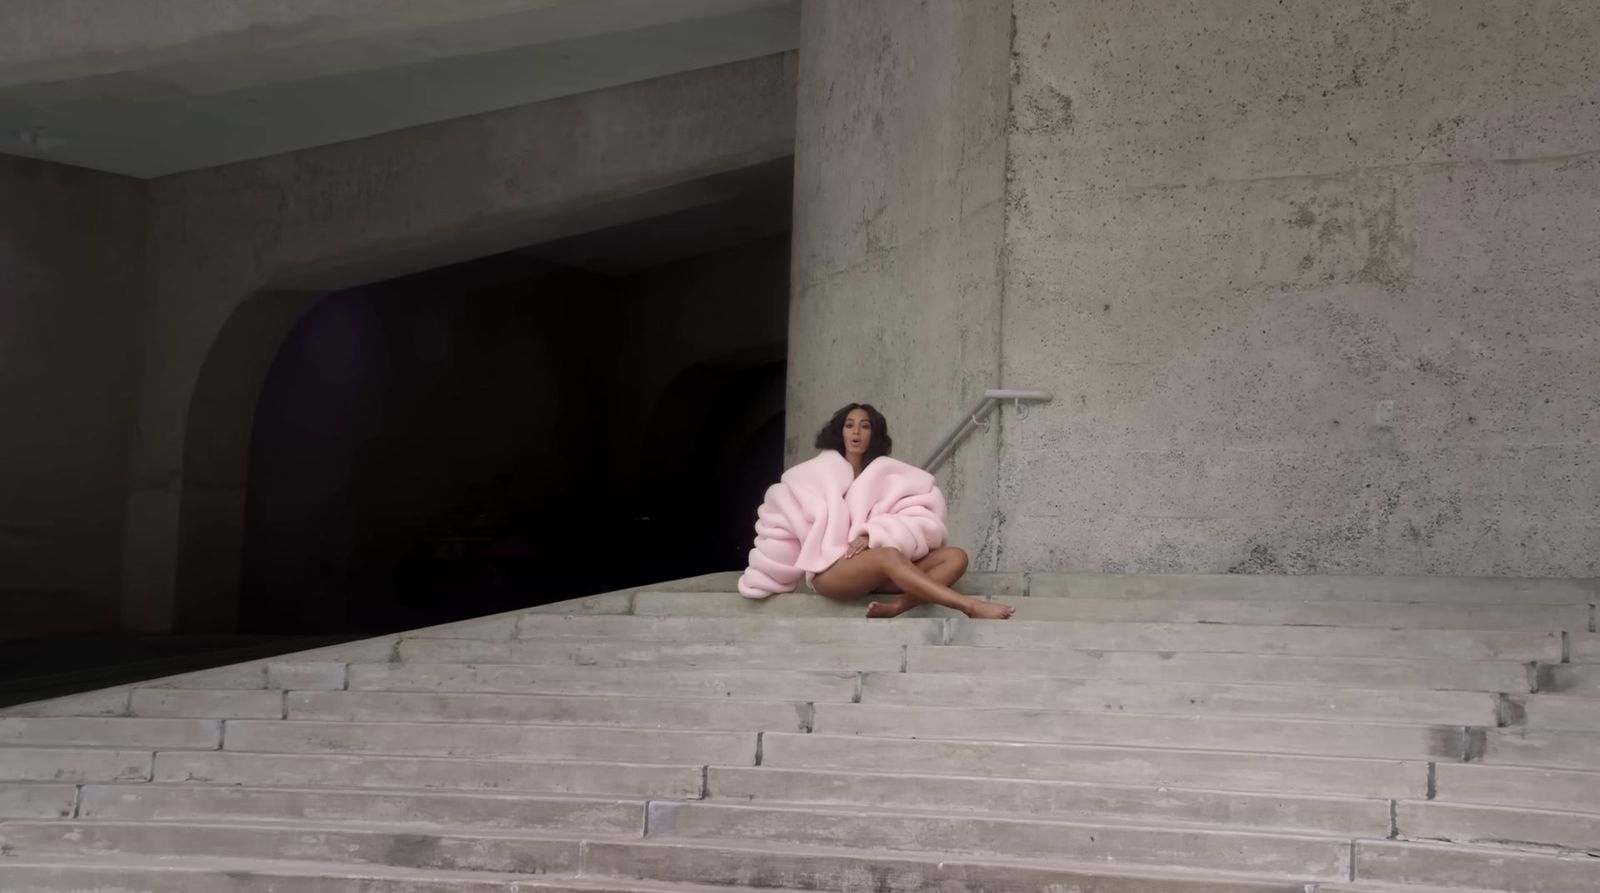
1317	286
71	283
357	212
899	190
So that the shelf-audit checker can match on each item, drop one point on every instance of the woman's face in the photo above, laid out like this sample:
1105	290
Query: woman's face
857	433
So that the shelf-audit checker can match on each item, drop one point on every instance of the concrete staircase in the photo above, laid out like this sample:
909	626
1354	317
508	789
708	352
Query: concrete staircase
1124	734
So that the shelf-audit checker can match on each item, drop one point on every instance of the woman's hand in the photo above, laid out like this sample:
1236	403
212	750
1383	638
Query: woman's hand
857	546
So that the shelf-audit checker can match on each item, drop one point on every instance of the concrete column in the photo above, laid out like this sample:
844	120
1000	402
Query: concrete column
71	284
899	222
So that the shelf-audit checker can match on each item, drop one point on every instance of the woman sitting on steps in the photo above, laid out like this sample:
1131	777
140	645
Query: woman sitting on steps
854	522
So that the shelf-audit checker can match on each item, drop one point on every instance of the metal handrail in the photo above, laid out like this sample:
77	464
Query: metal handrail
947	445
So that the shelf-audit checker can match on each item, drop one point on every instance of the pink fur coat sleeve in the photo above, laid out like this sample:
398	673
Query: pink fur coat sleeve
808	518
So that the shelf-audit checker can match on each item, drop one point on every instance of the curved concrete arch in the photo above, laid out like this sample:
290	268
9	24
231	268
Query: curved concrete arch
216	457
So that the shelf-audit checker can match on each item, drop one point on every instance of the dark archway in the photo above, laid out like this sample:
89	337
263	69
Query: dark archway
667	272
716	439
216	459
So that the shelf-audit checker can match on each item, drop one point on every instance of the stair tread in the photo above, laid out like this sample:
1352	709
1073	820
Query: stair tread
1058	820
355	872
1150	870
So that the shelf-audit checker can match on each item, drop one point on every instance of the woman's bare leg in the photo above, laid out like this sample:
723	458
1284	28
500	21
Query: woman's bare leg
854	577
943	566
946	565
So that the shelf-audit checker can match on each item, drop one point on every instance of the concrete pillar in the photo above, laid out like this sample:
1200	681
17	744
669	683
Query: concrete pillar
899	223
71	286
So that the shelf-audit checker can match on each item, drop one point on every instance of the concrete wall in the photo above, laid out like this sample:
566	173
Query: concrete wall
1317	286
899	190
71	284
357	212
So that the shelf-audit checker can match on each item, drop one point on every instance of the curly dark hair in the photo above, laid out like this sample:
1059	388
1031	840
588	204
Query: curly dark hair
831	437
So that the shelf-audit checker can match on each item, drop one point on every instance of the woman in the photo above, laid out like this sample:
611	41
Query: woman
855	521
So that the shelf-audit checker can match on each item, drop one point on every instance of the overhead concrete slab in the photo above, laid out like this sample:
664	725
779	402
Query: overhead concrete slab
114	89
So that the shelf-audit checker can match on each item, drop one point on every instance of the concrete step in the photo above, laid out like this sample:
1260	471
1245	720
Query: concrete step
851	871
1498	825
110	732
1584	648
587	710
1090	695
812	630
1548	748
1171	667
788	604
409	846
777	685
1415	644
1212	770
1311	587
203	704
104	702
612	779
73	764
1198	732
1558	712
1570	679
1051	799
1560	789
319	670
499	626
507	811
37	801
1004	837
199	874
755	655
1493	868
1347	614
488	740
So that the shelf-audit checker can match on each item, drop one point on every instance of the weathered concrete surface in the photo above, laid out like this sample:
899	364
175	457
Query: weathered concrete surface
1034	797
1488	868
1315	286
352	842
71	286
302	223
488	740
1427	820
775	866
1218	770
485	810
1319	587
896	266
1517	786
1239	667
456	773
1077	841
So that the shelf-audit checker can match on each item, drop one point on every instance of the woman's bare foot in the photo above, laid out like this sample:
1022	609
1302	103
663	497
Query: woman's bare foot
890	609
990	611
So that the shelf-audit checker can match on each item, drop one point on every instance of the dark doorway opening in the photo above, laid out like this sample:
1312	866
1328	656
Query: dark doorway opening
571	418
